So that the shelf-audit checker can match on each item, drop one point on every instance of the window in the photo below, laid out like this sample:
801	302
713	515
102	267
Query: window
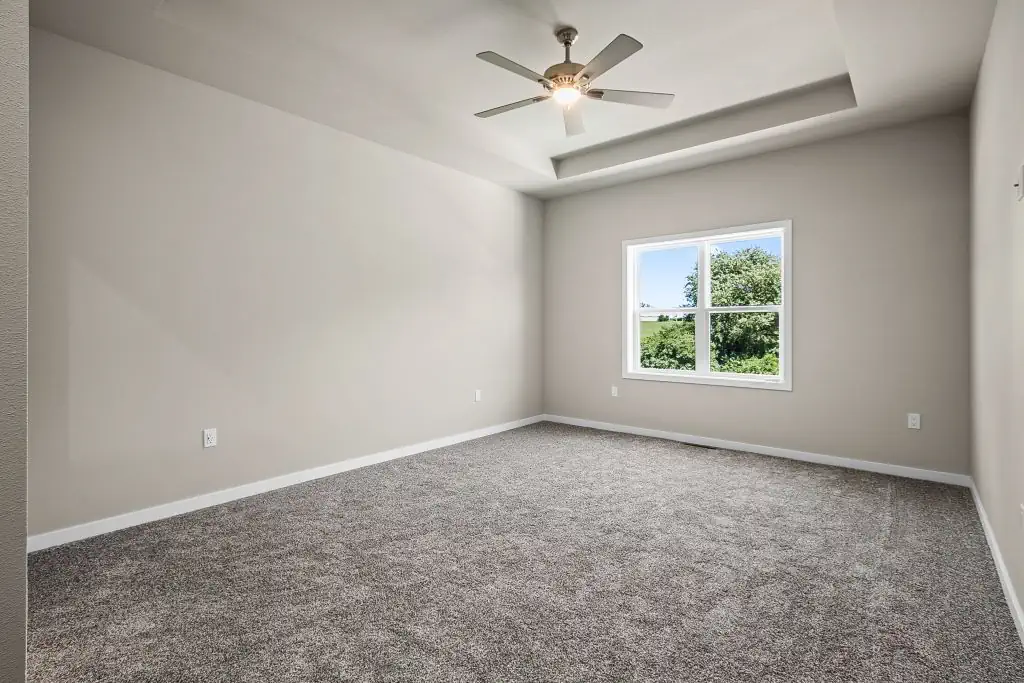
709	307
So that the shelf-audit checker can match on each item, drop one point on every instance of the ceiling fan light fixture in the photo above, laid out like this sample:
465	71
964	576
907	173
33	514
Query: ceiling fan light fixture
566	95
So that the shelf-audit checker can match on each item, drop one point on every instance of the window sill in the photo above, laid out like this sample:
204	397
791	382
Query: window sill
746	382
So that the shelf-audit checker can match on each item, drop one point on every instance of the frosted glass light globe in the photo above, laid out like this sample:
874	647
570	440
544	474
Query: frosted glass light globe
566	96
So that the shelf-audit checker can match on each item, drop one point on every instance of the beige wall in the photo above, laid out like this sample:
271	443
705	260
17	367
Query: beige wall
200	260
880	301
13	291
998	285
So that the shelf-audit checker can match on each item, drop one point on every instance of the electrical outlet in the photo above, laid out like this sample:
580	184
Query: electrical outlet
1018	183
913	421
615	390
479	396
209	438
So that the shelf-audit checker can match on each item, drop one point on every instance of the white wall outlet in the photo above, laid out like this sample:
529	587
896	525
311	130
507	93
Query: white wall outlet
478	396
913	421
615	390
1018	183
209	438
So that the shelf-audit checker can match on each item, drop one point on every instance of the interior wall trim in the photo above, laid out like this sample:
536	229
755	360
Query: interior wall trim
1001	569
102	526
803	456
151	514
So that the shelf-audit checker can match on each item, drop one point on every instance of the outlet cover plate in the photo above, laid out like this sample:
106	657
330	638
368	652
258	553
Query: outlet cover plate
209	438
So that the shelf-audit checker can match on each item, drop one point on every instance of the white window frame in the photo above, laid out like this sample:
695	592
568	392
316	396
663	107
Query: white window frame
631	310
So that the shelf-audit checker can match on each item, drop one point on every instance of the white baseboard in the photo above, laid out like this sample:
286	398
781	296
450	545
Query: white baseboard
103	526
152	514
1004	574
850	463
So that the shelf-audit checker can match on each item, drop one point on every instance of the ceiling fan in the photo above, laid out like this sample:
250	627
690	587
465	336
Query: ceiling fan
566	83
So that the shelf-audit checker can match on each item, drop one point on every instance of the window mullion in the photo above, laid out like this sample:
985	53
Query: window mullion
667	311
702	341
748	309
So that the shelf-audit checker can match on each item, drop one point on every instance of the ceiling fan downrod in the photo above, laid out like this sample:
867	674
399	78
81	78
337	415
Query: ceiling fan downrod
567	36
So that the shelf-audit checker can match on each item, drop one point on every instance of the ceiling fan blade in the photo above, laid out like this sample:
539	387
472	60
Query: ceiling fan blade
573	121
509	107
518	69
659	100
614	53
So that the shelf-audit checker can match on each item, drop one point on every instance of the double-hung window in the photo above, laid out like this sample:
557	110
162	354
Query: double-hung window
709	307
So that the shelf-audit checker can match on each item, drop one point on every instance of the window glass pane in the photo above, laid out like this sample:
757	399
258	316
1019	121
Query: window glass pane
747	272
745	343
667	278
667	342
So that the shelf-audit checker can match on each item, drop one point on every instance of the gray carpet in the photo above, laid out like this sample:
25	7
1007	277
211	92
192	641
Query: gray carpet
548	553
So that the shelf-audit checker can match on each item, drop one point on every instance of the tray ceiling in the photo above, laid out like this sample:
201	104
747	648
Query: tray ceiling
403	72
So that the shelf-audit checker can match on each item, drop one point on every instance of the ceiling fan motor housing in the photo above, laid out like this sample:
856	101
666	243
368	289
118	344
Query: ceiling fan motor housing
563	75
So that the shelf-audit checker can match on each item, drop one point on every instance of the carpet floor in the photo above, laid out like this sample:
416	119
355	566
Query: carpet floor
547	553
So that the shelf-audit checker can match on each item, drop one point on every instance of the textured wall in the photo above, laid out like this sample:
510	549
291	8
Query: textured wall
997	233
13	291
200	260
880	297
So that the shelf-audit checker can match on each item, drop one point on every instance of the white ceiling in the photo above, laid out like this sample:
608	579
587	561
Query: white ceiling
403	72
